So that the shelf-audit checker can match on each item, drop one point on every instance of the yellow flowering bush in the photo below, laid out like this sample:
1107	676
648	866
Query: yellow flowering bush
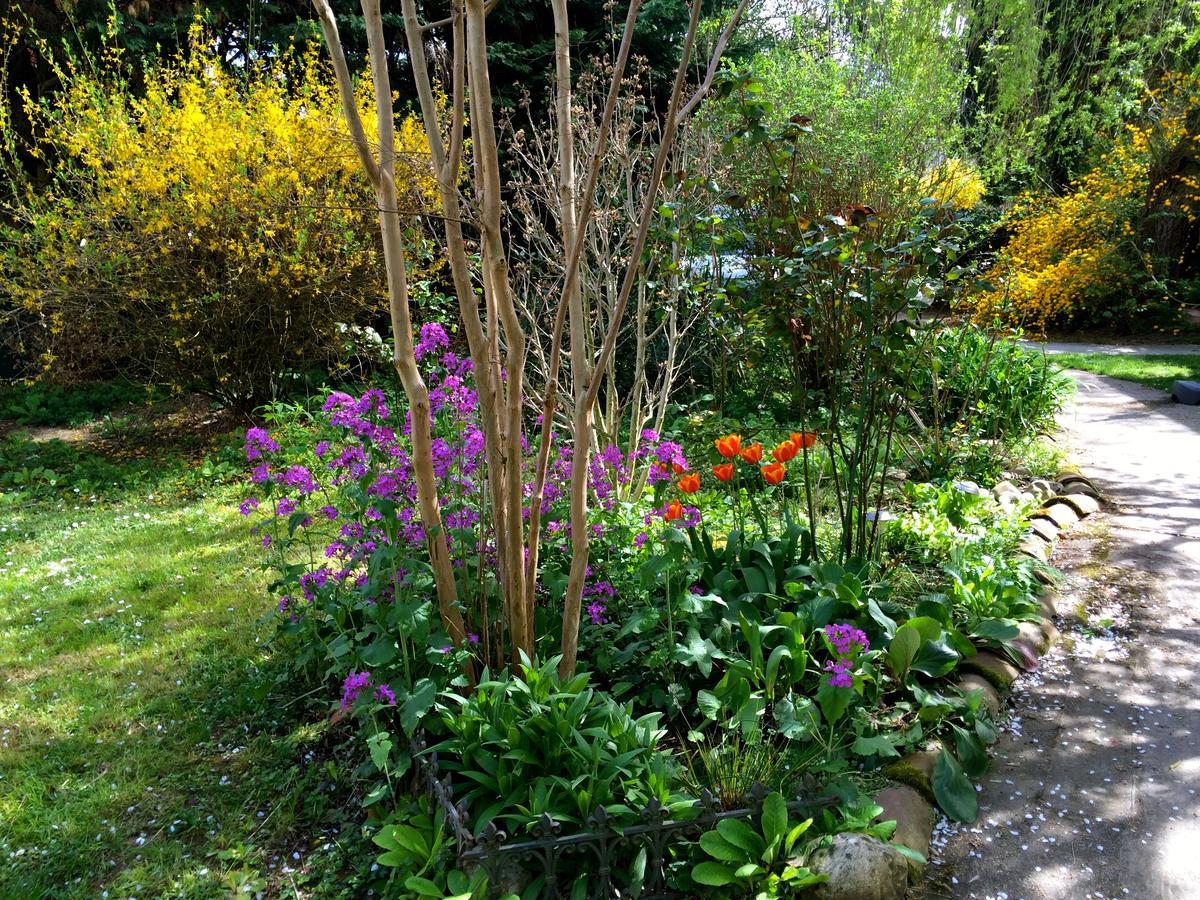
1083	256
954	183
203	229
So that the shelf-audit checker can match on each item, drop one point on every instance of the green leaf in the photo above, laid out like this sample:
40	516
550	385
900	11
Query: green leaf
380	745
418	702
879	745
797	720
774	817
833	700
709	704
741	835
935	659
953	790
717	847
380	651
971	752
1000	630
713	874
423	887
903	650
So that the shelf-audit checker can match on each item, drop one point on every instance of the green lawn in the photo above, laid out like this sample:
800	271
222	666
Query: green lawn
1156	371
149	744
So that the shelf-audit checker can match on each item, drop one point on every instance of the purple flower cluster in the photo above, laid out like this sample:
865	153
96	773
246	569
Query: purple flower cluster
846	642
357	682
599	595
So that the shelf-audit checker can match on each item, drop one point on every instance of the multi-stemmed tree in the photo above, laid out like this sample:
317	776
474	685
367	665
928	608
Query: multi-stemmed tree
496	335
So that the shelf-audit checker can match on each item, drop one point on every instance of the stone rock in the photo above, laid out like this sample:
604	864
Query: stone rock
1044	575
1000	672
1035	547
914	817
915	770
1049	629
992	700
1045	529
1083	504
1034	637
1085	488
1060	513
1005	487
1008	501
859	867
1043	489
1186	392
1027	657
1049	606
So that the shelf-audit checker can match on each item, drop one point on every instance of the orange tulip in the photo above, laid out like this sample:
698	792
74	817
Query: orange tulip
677	468
803	439
753	453
774	472
724	472
689	483
674	511
785	452
729	445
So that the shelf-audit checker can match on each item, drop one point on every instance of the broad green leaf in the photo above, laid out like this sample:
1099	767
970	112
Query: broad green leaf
418	702
774	817
423	887
712	874
971	752
741	835
879	745
1000	630
798	719
380	745
953	790
712	843
903	649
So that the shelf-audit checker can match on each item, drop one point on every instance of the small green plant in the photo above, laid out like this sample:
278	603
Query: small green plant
767	863
532	743
417	847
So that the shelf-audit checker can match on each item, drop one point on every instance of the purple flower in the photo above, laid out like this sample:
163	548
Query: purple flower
330	512
322	448
432	337
845	639
258	441
300	478
355	684
266	540
385	694
285	507
248	506
640	539
841	673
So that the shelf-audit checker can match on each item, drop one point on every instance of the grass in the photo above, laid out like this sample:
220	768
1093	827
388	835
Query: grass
149	744
1157	371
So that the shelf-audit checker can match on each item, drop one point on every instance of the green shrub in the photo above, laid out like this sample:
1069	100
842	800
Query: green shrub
532	743
196	229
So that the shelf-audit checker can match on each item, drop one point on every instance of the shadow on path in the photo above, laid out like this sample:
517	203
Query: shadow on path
1094	791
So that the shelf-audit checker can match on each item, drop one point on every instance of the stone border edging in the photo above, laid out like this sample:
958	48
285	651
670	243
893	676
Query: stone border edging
864	868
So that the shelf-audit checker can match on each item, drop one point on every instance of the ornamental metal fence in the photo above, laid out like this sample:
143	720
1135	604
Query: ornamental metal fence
511	862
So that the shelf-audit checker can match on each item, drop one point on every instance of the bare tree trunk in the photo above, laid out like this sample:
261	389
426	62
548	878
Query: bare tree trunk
383	174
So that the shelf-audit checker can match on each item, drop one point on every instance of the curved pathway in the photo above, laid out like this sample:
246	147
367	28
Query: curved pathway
1115	349
1094	791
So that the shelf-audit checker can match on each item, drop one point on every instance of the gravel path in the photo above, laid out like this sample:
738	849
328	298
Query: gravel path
1095	791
